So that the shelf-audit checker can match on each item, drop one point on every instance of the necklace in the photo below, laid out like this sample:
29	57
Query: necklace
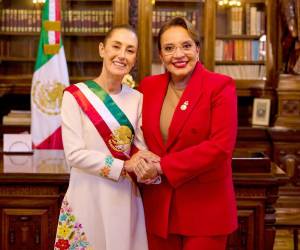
177	92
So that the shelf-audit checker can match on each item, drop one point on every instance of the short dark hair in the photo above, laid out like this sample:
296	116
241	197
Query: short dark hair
181	22
118	27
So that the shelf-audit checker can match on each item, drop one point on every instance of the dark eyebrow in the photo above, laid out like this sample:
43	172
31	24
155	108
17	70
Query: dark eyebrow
168	44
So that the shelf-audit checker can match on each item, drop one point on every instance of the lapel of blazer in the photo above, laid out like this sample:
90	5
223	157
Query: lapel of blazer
157	98
191	95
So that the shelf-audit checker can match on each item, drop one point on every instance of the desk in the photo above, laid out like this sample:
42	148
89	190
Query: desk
32	188
256	194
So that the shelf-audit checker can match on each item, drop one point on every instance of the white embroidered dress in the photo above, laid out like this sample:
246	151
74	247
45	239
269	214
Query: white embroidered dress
99	212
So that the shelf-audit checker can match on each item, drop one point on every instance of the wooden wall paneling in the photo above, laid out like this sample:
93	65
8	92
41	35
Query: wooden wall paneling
272	43
252	140
288	91
286	153
243	237
286	144
120	10
288	157
209	34
25	227
145	36
29	212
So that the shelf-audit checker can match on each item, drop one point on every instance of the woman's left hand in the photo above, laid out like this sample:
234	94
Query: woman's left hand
146	170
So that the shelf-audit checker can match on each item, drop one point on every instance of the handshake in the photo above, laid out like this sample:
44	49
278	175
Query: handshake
146	166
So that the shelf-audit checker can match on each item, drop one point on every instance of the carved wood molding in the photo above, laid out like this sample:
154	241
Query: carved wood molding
288	101
28	190
250	193
144	34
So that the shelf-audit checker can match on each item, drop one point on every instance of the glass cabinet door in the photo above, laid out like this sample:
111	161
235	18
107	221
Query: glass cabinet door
20	23
240	46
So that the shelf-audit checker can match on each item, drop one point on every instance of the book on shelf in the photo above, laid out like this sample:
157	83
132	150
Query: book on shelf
240	50
29	20
161	15
242	72
20	20
17	118
235	16
255	20
87	20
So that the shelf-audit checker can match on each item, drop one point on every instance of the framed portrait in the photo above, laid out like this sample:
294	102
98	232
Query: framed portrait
261	111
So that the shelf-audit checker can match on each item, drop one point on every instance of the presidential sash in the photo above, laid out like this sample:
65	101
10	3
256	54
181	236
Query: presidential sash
110	121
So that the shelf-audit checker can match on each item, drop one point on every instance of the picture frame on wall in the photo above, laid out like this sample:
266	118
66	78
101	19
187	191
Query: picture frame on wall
261	111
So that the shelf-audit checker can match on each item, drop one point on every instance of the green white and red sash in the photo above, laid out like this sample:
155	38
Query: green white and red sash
101	110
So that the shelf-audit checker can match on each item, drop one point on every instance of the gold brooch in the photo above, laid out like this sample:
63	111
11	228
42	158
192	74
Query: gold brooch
183	107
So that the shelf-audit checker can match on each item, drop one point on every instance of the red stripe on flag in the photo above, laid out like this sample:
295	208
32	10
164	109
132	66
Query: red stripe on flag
57	18
54	141
96	119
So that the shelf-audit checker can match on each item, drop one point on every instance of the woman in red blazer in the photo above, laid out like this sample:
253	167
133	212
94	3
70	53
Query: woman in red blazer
190	121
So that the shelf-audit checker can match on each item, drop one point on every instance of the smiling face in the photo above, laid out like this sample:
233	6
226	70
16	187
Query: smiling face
119	52
179	52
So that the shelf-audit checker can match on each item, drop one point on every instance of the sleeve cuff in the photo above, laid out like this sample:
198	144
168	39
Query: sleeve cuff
112	168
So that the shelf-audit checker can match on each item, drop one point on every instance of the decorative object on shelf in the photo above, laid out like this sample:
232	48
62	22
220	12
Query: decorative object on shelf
290	38
261	111
133	21
18	143
38	1
229	3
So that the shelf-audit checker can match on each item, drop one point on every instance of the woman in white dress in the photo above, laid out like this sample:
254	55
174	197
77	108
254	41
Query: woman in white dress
101	119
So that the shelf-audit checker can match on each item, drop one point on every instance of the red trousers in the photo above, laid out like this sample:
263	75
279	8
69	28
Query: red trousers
182	242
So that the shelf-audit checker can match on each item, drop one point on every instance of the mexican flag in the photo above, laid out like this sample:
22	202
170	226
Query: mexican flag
50	77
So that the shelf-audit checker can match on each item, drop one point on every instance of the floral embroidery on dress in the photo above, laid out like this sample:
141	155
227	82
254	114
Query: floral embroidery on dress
70	235
108	161
105	171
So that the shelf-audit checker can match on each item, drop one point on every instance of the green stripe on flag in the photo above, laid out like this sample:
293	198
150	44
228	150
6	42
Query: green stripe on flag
109	103
42	58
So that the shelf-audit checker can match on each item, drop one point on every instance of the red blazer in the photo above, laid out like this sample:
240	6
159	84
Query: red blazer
196	196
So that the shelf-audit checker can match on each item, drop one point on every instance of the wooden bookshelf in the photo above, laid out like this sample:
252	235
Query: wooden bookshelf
237	62
84	26
241	40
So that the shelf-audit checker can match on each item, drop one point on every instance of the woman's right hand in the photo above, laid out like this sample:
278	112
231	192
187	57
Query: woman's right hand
146	170
148	159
